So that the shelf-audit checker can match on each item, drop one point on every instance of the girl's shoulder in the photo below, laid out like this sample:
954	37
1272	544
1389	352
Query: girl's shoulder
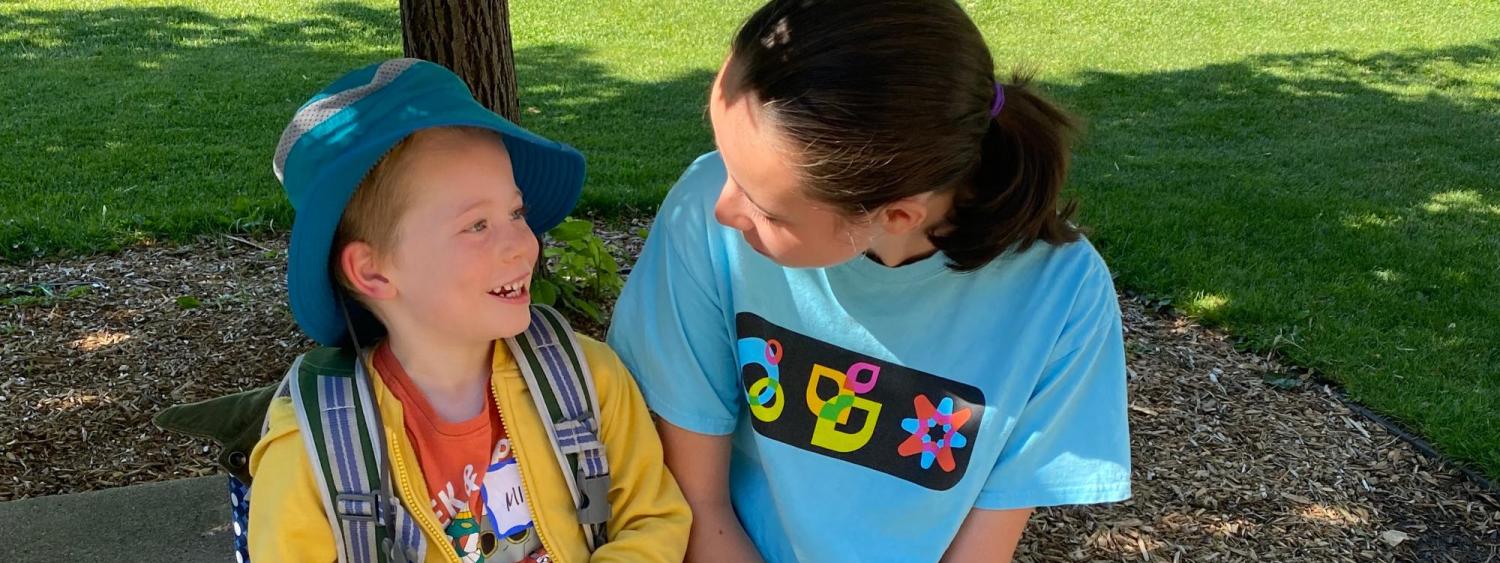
1053	267
697	188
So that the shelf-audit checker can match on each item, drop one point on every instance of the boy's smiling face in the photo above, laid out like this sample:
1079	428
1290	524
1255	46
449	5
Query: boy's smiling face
461	265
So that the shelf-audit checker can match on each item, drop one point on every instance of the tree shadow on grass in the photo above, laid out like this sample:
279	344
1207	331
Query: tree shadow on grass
131	124
638	136
1339	208
135	123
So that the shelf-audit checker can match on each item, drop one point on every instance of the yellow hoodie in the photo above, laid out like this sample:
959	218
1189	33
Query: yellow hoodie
649	520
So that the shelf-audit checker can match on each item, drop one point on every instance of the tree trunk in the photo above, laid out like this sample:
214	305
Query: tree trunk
471	37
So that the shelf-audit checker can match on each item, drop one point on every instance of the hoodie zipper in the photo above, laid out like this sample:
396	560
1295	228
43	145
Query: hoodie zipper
425	518
515	450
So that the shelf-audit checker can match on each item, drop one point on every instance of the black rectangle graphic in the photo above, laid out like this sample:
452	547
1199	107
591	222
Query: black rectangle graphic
824	399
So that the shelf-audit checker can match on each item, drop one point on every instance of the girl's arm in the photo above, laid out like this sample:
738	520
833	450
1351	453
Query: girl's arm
674	328
701	464
988	535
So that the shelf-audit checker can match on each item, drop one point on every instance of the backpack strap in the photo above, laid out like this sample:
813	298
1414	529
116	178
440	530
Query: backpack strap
562	387
340	426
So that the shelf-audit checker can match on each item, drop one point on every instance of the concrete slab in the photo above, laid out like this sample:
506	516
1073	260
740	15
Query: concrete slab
185	520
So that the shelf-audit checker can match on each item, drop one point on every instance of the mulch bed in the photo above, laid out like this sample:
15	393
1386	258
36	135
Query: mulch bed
1234	459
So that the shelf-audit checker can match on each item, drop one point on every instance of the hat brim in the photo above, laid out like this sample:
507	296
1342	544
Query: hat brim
549	174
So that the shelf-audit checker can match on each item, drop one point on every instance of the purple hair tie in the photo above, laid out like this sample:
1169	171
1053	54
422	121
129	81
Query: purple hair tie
999	100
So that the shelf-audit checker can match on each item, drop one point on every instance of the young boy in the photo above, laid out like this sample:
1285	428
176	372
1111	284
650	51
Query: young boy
410	221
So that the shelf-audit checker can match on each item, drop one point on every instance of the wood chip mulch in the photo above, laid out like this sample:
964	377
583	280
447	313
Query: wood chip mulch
1234	459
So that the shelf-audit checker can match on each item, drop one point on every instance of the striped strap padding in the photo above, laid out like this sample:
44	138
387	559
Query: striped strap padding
314	445
563	389
345	449
408	534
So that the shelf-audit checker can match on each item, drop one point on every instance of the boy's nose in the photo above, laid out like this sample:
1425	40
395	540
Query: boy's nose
523	246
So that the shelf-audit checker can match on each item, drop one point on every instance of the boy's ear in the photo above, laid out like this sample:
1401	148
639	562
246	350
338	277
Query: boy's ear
361	267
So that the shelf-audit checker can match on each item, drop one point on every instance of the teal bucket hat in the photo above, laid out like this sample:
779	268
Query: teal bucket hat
343	131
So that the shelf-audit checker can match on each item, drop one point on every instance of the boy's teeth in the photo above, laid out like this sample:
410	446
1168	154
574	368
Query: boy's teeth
511	288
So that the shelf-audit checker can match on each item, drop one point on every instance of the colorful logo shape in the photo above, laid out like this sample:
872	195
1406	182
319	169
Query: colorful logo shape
766	396
934	432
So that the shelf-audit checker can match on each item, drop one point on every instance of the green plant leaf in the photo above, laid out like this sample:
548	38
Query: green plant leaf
588	309
544	292
1282	381
571	229
582	272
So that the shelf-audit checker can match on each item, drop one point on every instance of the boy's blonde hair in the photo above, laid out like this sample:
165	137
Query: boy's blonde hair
381	199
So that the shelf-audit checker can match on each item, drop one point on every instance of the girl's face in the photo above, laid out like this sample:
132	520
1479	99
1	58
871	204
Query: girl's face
762	197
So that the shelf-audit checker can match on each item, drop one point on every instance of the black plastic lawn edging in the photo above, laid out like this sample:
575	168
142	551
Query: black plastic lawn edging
1417	442
1312	376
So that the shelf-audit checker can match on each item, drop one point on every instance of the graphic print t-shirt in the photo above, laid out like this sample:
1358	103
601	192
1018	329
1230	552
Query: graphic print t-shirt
871	408
473	481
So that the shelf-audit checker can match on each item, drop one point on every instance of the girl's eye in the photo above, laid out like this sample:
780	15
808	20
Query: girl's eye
755	210
518	214
479	226
762	216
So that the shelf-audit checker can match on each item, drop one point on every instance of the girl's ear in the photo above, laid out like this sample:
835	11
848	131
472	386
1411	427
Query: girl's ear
905	215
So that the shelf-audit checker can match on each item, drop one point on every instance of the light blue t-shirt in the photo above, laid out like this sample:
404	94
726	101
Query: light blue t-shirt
871	408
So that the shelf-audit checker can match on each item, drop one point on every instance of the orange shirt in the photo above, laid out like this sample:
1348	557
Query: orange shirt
473	481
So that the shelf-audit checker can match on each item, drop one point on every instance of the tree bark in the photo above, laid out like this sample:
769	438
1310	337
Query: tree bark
470	37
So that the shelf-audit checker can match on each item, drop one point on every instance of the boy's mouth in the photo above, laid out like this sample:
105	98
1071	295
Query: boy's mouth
516	290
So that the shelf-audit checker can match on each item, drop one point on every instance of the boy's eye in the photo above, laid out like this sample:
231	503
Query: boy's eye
518	214
479	226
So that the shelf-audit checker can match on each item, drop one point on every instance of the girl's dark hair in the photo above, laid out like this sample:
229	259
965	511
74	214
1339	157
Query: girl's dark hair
886	99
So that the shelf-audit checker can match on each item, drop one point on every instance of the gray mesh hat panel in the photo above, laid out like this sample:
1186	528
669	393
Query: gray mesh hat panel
314	114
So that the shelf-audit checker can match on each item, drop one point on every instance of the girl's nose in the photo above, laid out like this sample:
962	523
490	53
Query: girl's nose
727	211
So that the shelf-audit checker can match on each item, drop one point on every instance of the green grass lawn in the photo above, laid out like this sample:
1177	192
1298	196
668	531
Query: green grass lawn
1319	177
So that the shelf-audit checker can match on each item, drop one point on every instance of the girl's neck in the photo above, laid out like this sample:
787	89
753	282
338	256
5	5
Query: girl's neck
893	252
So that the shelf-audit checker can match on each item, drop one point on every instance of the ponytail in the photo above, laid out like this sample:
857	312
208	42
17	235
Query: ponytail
1013	197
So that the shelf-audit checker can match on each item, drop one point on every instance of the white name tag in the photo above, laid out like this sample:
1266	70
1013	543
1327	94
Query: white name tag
504	499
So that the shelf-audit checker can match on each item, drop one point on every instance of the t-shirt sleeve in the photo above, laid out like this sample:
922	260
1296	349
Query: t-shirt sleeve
670	327
1071	443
